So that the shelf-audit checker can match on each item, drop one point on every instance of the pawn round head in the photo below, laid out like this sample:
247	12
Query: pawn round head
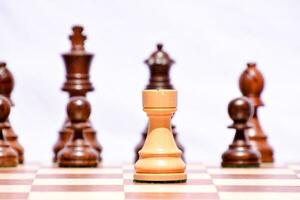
4	108
240	110
78	109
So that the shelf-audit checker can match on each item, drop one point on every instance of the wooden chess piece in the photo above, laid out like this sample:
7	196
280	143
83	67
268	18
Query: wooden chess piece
77	63
8	156
240	153
251	85
64	136
159	64
78	152
6	88
160	159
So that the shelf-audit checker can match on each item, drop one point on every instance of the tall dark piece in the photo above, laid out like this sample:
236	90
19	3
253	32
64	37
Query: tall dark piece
6	88
77	63
8	156
159	64
240	153
78	152
251	85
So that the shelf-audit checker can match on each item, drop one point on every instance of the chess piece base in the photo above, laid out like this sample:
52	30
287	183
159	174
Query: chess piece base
261	145
259	140
20	158
144	135
78	154
12	139
240	156
78	163
160	178
243	164
18	148
64	136
91	136
8	156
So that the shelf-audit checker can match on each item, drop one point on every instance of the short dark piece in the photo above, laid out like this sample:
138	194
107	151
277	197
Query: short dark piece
6	87
8	156
78	152
240	153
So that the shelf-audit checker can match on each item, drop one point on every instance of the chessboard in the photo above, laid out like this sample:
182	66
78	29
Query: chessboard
40	182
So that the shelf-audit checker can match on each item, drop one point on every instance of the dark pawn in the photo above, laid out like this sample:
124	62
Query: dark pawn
159	64
251	85
6	88
8	156
77	62
240	152
78	152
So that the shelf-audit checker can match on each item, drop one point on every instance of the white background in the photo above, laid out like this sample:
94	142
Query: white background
211	41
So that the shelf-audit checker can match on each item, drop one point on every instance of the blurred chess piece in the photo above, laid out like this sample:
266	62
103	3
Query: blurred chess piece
160	159
251	85
8	156
159	64
77	63
6	88
78	152
240	153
